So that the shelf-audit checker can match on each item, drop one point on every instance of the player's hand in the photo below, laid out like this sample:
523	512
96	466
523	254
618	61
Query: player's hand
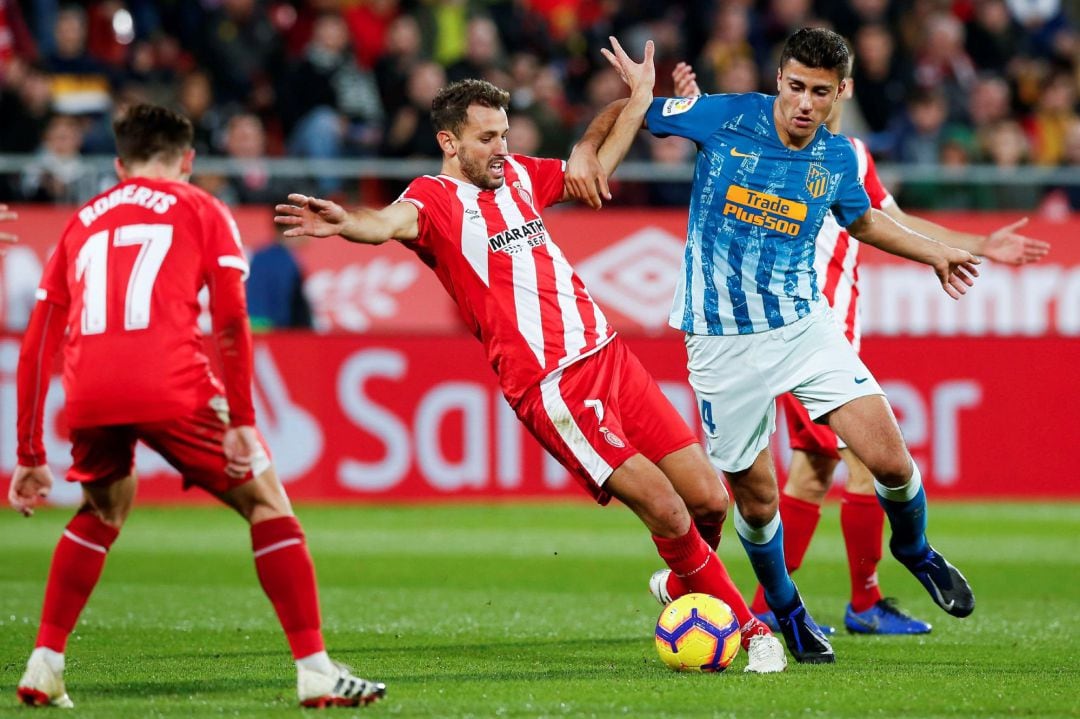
1007	246
310	216
7	215
29	487
240	445
685	80
956	270
639	76
585	179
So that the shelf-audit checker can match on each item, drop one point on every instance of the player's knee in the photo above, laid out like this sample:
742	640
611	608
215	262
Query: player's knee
114	516
712	509
894	472
666	517
758	514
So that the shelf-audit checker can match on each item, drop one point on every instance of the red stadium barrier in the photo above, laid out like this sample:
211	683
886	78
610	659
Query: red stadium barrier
985	388
628	259
420	418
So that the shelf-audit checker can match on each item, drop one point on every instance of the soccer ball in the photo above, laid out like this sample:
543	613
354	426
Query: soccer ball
697	633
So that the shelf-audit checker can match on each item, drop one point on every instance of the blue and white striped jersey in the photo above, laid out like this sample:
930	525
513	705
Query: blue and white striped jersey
755	211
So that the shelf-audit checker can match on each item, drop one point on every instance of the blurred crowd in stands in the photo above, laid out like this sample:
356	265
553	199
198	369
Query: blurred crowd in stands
943	83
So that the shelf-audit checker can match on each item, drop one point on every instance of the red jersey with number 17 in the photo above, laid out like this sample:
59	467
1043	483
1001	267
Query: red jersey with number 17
129	268
515	290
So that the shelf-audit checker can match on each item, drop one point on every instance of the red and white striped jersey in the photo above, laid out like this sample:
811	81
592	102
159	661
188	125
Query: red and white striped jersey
515	290
836	260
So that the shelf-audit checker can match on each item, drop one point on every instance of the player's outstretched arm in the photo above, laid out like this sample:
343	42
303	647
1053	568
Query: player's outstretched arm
7	215
1003	245
585	179
954	267
641	78
609	136
316	217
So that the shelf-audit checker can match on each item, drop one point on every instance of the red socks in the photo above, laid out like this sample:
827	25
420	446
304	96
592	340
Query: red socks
288	578
800	519
76	567
696	568
710	532
862	521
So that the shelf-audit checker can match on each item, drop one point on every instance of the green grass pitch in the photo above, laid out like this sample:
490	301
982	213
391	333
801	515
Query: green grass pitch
535	610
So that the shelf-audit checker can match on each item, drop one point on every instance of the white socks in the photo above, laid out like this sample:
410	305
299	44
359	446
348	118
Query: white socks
317	662
756	535
903	493
54	660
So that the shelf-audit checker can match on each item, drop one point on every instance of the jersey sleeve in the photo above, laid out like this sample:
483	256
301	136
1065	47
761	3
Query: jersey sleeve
43	338
225	269
429	196
222	247
53	286
547	178
879	196
695	118
851	201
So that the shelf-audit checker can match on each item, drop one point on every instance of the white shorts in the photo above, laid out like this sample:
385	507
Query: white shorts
737	379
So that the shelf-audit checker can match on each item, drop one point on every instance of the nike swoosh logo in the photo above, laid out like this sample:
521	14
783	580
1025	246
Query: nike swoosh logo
736	153
871	624
860	381
940	599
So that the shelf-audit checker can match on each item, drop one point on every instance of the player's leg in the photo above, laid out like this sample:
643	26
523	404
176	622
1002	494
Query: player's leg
102	463
870	430
836	387
861	522
814	458
589	417
757	522
738	415
282	562
644	488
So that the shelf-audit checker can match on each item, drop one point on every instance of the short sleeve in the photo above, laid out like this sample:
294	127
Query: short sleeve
879	196
851	201
54	287
222	246
547	177
429	195
695	118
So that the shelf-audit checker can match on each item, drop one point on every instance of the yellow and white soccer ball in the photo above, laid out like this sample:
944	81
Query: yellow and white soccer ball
697	633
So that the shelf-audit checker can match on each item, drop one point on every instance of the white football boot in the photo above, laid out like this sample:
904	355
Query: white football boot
338	688
658	586
766	655
42	683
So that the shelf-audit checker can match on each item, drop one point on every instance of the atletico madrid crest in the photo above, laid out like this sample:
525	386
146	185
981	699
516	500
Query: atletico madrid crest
817	181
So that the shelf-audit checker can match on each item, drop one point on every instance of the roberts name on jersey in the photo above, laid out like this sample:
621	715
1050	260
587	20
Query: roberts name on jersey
156	200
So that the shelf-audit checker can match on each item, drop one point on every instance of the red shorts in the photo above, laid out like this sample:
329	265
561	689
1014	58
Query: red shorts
598	412
192	445
805	434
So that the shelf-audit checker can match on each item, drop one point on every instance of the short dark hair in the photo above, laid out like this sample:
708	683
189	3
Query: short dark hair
450	108
146	131
819	48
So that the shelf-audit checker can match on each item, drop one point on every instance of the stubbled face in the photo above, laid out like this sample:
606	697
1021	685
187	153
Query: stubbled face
481	147
805	97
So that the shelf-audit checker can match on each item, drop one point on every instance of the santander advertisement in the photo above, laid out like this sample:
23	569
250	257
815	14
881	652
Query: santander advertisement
394	404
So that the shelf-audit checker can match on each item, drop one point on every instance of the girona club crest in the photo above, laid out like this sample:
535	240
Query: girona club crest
817	181
523	192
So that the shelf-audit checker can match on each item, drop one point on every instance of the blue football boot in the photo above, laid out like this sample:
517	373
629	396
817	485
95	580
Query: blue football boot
884	618
770	621
944	582
803	636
